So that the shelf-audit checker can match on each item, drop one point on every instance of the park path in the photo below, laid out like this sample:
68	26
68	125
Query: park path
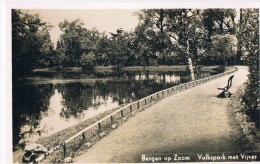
194	120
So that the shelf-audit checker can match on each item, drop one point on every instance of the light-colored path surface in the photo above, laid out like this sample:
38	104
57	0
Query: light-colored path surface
194	120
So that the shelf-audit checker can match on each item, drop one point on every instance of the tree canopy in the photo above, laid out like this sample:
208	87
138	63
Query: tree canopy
162	37
31	44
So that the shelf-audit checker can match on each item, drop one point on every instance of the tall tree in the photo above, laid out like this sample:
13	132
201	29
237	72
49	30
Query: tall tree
218	22
224	49
187	34
31	44
153	21
119	47
74	42
69	45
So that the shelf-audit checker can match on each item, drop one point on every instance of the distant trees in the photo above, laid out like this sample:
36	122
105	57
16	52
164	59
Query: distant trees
31	44
163	36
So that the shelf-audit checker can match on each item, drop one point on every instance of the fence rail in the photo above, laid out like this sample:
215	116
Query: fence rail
114	119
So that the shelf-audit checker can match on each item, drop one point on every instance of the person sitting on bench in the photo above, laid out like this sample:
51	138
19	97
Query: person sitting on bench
225	93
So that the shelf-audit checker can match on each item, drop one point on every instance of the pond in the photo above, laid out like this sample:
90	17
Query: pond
47	102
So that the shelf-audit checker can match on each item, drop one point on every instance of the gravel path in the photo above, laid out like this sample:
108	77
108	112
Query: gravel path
194	120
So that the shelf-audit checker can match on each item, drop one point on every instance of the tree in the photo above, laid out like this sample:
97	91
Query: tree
154	40
217	22
69	49
74	42
144	46
102	51
31	44
186	34
224	49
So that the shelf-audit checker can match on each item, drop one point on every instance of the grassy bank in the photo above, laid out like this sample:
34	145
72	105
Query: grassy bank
132	68
247	135
59	137
112	68
55	69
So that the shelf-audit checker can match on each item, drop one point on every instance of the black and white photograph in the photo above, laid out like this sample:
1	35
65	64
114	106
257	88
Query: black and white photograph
134	85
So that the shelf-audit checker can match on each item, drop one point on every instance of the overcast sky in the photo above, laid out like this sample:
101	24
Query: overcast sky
102	20
108	20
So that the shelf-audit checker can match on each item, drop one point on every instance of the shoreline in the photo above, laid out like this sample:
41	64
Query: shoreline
128	68
54	139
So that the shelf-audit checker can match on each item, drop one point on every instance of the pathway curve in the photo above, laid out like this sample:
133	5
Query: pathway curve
194	120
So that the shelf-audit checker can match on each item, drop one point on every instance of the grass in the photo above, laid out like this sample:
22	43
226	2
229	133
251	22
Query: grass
156	68
111	68
55	69
131	68
247	135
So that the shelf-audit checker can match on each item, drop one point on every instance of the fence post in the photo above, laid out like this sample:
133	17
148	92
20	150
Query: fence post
99	127
138	104
122	114
83	137
162	94
64	150
131	110
112	120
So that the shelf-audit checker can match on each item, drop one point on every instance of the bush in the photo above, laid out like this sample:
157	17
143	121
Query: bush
249	36
88	61
252	96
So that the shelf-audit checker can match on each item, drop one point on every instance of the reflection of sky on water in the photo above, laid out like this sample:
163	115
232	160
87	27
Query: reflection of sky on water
163	78
53	121
58	105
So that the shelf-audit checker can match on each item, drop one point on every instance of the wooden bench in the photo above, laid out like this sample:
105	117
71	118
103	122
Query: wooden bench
225	93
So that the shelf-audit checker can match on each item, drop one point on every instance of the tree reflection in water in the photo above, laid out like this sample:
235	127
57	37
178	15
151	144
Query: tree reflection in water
28	102
53	107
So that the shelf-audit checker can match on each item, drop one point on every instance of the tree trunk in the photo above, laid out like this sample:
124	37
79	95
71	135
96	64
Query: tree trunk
190	61
191	68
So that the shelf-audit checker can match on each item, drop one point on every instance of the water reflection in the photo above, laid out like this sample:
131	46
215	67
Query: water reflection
42	109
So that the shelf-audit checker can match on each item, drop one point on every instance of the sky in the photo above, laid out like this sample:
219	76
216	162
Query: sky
108	20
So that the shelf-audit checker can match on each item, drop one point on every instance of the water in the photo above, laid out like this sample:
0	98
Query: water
45	103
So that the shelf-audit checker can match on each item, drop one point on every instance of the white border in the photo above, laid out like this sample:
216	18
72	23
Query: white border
133	5
5	49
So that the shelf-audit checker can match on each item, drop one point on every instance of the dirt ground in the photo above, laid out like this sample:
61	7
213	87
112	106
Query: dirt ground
194	120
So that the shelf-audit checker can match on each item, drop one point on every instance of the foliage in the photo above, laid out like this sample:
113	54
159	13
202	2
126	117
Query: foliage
249	40
162	37
74	42
224	49
31	44
219	21
88	60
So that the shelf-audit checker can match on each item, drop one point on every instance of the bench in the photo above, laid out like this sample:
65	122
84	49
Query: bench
225	93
